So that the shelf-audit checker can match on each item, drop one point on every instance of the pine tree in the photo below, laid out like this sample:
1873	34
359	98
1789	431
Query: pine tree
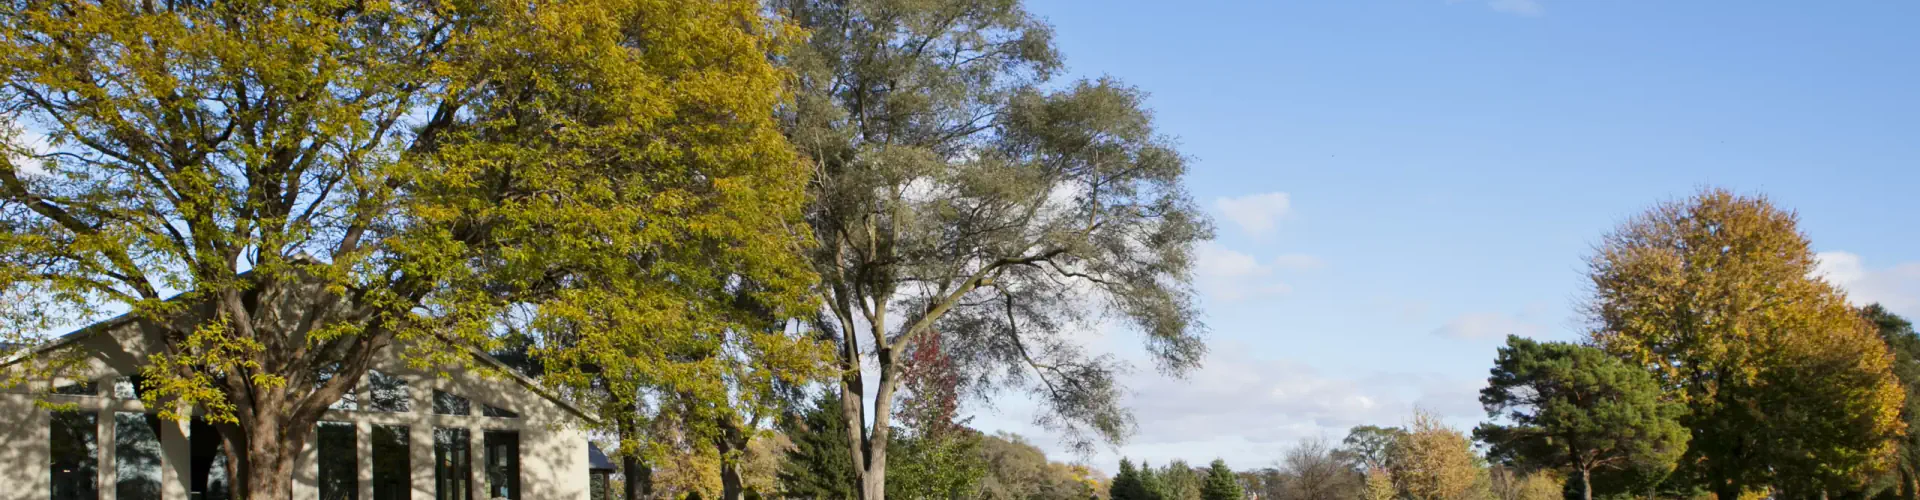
818	466
1127	485
1221	483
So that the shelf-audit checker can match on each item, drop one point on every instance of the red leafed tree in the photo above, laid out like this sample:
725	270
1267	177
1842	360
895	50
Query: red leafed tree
933	389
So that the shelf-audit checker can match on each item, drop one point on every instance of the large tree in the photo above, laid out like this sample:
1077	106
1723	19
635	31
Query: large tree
1576	407
958	191
320	182
1433	461
1221	483
1786	385
1368	447
1127	484
1317	472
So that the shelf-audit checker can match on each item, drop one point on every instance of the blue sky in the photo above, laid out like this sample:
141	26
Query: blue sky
1401	183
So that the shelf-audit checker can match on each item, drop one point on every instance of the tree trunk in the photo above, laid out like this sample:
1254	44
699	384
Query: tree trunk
873	483
1726	490
1586	484
639	483
1906	483
260	457
731	440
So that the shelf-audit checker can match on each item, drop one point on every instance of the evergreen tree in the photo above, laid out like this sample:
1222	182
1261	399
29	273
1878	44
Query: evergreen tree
818	466
1154	484
1221	483
1575	406
1127	484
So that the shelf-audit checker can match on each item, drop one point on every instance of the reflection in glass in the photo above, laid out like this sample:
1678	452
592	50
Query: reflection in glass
494	411
503	464
338	462
349	401
446	403
452	464
128	387
392	468
75	455
136	456
389	393
87	388
209	478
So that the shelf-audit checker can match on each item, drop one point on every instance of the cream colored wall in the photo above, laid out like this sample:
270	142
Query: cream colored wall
553	450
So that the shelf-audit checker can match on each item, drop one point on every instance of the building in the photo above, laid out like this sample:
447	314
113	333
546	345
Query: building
402	434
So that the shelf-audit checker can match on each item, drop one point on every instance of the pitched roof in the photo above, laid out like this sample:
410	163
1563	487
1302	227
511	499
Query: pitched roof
597	460
124	318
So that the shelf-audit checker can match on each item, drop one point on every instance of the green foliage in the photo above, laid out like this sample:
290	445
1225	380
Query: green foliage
1368	447
1786	386
1127	484
322	181
1578	407
1221	483
946	465
1018	470
959	192
1897	333
818	465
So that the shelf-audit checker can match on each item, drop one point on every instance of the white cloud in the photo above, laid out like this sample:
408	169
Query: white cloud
1261	406
1521	7
1226	274
1257	215
1489	325
1896	287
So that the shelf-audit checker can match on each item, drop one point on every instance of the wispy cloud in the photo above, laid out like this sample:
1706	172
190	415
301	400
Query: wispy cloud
1264	405
1230	275
1258	215
1484	325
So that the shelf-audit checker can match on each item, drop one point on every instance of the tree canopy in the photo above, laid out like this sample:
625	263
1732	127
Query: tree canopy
958	193
280	192
1785	384
1577	407
1434	462
1221	483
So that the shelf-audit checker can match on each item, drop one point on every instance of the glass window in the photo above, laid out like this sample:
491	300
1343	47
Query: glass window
389	392
452	464
209	478
75	455
338	457
87	388
597	485
128	387
495	411
136	456
503	464
349	401
392	464
446	403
